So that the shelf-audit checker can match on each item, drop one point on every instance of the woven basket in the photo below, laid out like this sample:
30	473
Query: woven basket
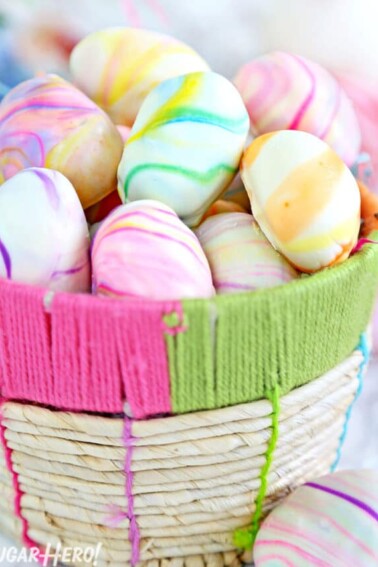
268	379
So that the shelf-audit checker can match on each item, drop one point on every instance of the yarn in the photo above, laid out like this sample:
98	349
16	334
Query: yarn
364	348
245	538
83	353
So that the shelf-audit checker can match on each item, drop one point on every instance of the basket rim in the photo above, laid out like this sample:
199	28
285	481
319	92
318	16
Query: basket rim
79	352
292	288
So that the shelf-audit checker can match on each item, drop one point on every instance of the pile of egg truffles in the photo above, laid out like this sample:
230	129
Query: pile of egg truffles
151	176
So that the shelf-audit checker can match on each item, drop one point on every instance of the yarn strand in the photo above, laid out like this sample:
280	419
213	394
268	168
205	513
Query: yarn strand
245	538
363	347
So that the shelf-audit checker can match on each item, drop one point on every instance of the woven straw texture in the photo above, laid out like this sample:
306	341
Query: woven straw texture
192	479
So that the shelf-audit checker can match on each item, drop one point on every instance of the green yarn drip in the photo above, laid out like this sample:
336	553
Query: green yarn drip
245	538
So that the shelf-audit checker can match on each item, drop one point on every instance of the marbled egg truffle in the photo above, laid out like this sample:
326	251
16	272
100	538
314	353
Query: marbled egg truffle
47	122
330	522
186	144
283	91
240	256
118	67
143	249
44	236
304	198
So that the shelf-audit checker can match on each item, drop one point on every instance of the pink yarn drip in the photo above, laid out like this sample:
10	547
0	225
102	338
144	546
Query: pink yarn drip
18	494
361	243
134	534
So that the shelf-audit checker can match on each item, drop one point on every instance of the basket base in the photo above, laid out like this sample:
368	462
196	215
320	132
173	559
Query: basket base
196	478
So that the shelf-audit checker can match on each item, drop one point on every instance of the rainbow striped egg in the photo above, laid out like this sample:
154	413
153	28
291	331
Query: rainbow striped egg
44	236
283	91
142	249
186	144
118	67
330	522
240	257
304	198
47	122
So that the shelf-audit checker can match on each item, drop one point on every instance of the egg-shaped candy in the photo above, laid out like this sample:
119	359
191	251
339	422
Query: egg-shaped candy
304	198
118	67
283	91
331	522
143	249
44	236
186	144
47	122
240	257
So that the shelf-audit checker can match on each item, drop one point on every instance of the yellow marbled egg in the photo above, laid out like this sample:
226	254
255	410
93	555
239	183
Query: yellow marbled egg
118	67
304	198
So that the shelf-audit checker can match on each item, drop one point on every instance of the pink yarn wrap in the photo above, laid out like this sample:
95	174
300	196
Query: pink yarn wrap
82	353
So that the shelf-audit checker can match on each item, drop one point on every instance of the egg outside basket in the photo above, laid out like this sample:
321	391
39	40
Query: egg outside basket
260	387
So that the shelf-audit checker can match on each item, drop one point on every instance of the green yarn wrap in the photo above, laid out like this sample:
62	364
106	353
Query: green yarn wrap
235	348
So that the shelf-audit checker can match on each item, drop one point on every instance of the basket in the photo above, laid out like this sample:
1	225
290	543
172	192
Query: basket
166	431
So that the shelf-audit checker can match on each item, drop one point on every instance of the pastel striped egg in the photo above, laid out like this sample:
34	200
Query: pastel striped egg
240	257
44	236
330	522
283	91
304	198
186	144
143	250
46	122
118	67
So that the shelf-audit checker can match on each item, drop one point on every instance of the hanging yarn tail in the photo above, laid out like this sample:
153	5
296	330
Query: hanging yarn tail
361	243
245	538
363	347
134	534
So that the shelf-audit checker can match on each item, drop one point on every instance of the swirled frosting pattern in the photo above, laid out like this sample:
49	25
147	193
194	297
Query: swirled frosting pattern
118	67
186	144
304	198
241	258
44	236
142	249
283	91
46	122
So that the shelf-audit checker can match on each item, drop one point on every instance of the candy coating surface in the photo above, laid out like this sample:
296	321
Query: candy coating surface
284	91
332	521
118	67
46	122
185	146
304	198
44	236
143	249
240	256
